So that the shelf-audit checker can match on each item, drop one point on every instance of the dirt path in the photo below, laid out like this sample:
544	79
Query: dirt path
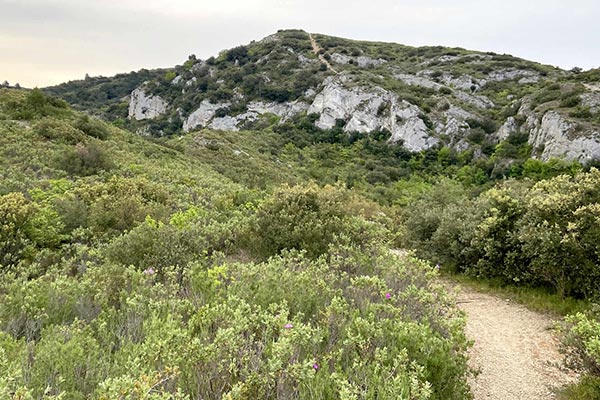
316	49
515	350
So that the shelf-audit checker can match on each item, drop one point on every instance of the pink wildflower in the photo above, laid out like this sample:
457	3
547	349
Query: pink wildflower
437	267
388	295
315	366
288	326
149	271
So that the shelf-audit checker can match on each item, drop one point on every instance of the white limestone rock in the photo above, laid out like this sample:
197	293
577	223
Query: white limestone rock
203	115
407	127
146	106
364	62
177	80
270	39
198	66
455	125
336	101
371	109
340	58
559	138
284	110
415	80
361	61
305	60
191	82
310	93
459	113
226	123
478	101
525	76
591	100
509	127
463	82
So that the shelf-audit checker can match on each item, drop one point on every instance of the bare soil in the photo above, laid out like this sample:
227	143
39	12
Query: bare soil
316	49
515	350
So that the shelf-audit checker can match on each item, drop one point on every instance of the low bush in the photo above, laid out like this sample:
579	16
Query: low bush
84	159
306	218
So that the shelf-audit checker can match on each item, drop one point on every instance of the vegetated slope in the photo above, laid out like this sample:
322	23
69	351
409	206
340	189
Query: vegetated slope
134	269
422	98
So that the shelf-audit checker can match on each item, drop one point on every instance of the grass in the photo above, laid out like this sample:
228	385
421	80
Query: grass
536	299
588	388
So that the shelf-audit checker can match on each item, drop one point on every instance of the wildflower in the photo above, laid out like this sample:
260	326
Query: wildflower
315	366
388	295
437	267
149	271
288	326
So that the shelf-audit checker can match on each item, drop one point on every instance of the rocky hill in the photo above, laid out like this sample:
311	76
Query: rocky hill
420	98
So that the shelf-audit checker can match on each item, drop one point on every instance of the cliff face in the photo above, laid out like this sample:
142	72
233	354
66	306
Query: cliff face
419	97
146	106
554	136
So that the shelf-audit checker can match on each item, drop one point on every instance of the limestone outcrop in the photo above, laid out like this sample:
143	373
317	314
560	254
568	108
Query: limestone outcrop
146	106
556	137
366	110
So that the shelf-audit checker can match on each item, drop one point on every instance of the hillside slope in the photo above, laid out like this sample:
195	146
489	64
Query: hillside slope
419	97
132	268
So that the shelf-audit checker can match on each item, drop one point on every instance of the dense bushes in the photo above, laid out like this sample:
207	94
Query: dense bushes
309	218
34	105
545	234
329	319
290	327
84	159
157	277
25	228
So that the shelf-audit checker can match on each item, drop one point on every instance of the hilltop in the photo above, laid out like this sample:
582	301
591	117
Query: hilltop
421	98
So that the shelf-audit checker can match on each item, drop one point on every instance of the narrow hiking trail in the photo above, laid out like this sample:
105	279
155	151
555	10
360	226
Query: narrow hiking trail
316	48
514	349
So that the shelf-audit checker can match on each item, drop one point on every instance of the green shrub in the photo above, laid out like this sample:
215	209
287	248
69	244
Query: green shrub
545	235
36	104
67	359
581	339
15	225
56	130
92	127
84	159
25	228
304	218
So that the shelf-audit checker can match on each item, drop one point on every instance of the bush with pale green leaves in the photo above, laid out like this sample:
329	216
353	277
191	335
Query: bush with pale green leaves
542	234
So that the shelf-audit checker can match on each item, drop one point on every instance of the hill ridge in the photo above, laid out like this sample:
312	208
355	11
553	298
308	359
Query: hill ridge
422	97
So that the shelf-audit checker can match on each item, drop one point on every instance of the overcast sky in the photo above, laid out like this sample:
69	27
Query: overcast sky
45	42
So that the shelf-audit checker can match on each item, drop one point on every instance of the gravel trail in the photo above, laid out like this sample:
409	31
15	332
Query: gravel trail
514	349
